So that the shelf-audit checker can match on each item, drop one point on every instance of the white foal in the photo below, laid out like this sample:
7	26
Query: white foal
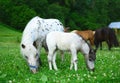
70	42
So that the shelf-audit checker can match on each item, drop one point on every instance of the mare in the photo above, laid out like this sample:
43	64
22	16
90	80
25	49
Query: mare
69	42
105	34
87	35
34	36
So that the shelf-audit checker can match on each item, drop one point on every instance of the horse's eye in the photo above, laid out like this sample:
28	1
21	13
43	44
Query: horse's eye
90	59
26	57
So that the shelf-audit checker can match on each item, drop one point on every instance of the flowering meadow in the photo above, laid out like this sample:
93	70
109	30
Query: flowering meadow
14	69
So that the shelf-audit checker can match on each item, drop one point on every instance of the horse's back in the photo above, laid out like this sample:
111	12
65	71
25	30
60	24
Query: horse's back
62	35
48	24
102	34
31	25
106	34
63	40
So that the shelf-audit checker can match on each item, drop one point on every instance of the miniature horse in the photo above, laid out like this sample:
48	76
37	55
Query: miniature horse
87	35
66	29
69	42
105	34
34	36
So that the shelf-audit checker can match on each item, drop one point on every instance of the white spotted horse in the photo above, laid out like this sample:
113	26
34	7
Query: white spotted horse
69	42
34	36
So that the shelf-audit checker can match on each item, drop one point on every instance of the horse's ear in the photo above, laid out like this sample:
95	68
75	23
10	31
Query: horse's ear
67	29
23	46
34	44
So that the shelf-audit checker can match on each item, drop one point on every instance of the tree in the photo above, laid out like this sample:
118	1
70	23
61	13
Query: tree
77	14
57	11
39	6
5	8
20	16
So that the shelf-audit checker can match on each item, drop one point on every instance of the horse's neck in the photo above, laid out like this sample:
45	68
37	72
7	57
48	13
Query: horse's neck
27	39
85	47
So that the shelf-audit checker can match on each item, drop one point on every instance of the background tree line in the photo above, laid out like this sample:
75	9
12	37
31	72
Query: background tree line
76	14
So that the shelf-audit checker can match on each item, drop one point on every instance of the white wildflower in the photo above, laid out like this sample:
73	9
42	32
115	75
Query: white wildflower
104	74
95	77
84	75
10	81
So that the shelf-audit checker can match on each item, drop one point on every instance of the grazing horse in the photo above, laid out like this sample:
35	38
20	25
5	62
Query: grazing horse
66	29
87	35
105	34
33	38
69	42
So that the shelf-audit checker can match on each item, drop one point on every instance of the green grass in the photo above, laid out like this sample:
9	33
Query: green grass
14	69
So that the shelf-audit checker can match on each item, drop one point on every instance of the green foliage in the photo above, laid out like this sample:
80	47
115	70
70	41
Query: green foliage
20	16
77	14
72	22
39	6
57	11
5	8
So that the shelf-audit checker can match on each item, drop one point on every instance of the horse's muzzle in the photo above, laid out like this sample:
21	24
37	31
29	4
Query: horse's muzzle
33	69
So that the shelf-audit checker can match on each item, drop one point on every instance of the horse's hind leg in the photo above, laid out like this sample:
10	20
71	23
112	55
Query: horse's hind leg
50	56
96	45
100	45
54	63
109	45
73	59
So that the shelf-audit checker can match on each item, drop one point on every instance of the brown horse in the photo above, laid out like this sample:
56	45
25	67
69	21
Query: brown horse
87	35
105	34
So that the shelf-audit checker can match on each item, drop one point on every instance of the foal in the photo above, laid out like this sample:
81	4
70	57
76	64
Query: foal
69	42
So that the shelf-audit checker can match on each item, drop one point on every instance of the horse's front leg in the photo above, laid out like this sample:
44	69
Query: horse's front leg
39	45
71	65
54	63
73	62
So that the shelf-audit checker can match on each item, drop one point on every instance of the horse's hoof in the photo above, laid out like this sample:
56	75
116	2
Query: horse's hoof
56	69
93	69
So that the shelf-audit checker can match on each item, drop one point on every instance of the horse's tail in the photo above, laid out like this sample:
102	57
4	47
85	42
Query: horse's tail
114	39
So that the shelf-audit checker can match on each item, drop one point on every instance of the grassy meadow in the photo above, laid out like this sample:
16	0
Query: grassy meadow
14	69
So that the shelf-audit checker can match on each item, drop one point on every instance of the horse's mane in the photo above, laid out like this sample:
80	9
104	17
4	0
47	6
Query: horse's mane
85	41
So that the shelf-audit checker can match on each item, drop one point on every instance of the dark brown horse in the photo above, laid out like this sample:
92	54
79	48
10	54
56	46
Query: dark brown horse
87	35
105	34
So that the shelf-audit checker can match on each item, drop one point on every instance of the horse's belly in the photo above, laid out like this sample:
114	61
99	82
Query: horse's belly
63	46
